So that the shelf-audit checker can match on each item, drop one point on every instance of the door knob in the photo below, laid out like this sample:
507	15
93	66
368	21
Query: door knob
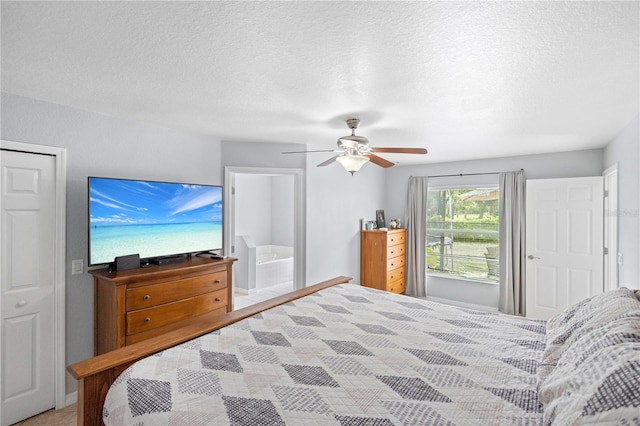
533	257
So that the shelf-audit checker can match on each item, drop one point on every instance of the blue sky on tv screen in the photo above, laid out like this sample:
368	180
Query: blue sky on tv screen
116	202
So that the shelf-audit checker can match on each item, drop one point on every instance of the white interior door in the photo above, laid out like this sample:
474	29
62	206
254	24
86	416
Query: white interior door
27	302
564	243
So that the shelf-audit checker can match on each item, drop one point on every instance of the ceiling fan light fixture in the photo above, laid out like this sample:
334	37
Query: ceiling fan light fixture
352	163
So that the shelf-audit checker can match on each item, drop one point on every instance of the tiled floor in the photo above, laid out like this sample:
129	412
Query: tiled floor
64	417
243	300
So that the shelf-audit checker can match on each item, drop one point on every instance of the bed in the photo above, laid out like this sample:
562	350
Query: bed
338	353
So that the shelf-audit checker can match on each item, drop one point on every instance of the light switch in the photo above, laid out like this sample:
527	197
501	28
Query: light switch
77	266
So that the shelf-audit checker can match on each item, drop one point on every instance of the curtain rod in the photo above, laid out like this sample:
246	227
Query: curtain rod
473	174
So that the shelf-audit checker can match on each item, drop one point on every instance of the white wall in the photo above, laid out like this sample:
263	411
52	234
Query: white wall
253	207
559	165
624	150
265	208
282	209
100	145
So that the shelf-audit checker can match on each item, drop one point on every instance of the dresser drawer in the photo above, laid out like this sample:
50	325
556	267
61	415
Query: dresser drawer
395	238
159	294
394	251
158	316
395	263
396	287
158	331
395	275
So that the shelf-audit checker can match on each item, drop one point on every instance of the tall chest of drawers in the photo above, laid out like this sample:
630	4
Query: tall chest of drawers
382	259
137	304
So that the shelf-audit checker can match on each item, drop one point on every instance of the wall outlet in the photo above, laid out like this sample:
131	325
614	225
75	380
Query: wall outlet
77	267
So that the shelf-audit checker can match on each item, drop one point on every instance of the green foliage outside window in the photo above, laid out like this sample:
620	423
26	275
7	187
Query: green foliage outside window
462	233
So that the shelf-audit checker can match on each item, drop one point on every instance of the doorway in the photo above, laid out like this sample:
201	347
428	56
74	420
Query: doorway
611	227
32	300
257	229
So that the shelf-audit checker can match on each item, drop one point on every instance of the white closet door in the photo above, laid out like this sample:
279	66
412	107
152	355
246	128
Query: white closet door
27	302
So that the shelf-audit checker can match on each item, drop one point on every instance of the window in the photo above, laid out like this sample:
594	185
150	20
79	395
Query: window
462	232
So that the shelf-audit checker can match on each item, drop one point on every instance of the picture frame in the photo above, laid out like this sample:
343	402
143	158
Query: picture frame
380	219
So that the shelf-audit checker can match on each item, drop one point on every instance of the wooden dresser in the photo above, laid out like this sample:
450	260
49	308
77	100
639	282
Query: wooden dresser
382	259
137	304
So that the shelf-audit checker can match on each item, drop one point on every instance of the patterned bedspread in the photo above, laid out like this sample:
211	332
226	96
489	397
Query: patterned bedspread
346	355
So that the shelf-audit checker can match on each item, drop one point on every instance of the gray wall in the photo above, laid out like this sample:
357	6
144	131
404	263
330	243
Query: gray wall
624	150
336	201
100	145
256	154
559	165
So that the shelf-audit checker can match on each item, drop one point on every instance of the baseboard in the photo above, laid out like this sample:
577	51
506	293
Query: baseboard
244	291
463	304
71	398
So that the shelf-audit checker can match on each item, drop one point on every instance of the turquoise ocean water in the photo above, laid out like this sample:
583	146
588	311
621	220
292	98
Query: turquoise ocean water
107	242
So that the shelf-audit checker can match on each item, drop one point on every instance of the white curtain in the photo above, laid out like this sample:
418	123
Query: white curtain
512	243
416	220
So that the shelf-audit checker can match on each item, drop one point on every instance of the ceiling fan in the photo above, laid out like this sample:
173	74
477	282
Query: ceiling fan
354	151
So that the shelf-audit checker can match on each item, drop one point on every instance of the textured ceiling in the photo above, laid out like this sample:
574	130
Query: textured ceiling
463	79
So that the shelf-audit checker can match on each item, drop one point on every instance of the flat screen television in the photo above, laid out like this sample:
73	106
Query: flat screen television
152	219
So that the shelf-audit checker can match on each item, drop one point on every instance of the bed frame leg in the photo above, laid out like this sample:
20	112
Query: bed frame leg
91	390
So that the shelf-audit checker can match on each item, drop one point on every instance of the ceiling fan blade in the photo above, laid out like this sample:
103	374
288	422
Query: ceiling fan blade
329	161
400	150
379	161
304	152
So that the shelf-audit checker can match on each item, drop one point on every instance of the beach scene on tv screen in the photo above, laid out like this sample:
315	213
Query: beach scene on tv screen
152	218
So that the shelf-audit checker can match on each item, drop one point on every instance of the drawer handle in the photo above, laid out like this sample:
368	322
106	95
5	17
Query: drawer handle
217	281
147	319
218	299
146	297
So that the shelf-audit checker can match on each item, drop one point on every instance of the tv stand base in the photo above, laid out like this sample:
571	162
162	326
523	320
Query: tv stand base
165	260
210	254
